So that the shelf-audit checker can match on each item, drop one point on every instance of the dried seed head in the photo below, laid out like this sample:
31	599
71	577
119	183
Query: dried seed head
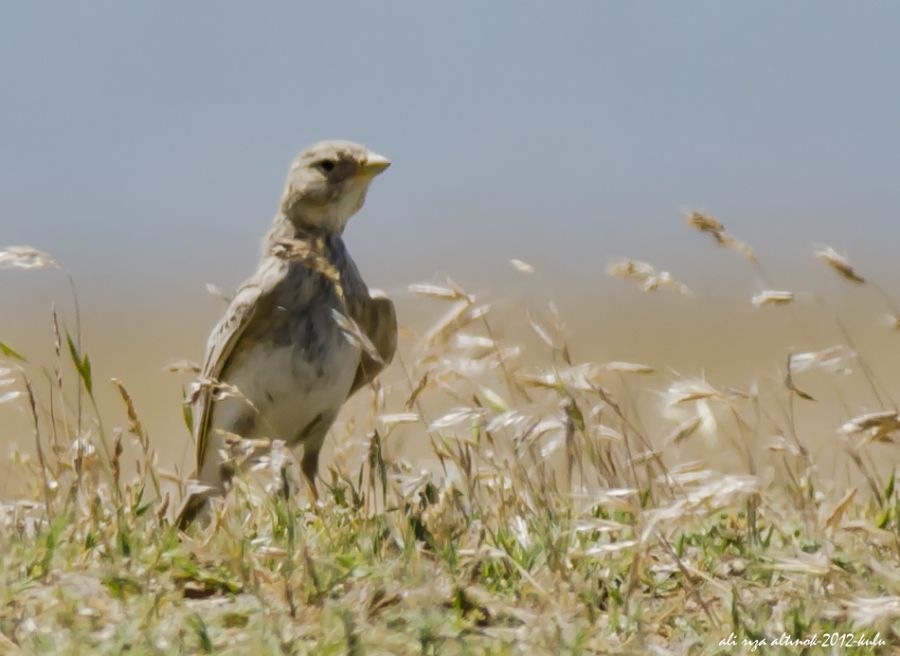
26	257
711	226
628	367
780	444
83	447
521	266
356	336
12	395
687	398
393	419
476	345
455	417
583	377
310	252
646	276
839	263
448	293
684	430
834	359
216	292
789	383
687	390
547	336
706	223
135	426
879	425
772	297
461	314
872	611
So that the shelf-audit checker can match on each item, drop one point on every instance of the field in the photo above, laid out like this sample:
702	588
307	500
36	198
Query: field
563	510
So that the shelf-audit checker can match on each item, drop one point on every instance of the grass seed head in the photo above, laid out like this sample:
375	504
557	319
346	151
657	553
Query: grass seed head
646	276
711	226
521	266
772	297
840	264
26	257
834	359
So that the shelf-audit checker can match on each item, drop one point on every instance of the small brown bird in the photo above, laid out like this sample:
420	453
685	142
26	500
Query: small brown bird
301	335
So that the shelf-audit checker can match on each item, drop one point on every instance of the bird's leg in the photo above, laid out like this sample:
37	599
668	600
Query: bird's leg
311	436
285	484
197	506
215	473
309	465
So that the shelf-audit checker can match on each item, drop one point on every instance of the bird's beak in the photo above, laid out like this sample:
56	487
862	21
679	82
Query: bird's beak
375	164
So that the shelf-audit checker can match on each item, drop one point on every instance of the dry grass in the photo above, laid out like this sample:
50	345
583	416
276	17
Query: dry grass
552	513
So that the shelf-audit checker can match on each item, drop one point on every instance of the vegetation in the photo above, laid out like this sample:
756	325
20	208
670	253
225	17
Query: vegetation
557	518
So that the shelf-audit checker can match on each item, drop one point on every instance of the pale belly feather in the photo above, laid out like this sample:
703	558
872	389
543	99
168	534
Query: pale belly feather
287	389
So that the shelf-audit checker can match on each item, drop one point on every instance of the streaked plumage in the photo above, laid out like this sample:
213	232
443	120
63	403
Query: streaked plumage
278	365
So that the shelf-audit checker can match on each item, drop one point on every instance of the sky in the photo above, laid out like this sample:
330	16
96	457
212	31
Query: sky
147	142
145	145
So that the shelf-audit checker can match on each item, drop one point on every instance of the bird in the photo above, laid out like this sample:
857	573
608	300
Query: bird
299	337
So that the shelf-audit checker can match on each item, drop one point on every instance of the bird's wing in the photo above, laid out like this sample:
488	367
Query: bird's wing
223	340
378	320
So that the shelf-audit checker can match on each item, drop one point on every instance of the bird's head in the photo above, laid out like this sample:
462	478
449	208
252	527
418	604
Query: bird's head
327	184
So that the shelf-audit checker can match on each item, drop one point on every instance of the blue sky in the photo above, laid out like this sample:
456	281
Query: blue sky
147	142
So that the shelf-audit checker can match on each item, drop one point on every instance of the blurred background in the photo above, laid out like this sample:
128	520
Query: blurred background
145	145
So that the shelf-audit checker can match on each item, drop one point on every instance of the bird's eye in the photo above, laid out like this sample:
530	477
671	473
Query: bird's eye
327	165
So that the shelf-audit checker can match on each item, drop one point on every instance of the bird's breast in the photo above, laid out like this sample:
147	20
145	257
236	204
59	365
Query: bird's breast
291	382
294	362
